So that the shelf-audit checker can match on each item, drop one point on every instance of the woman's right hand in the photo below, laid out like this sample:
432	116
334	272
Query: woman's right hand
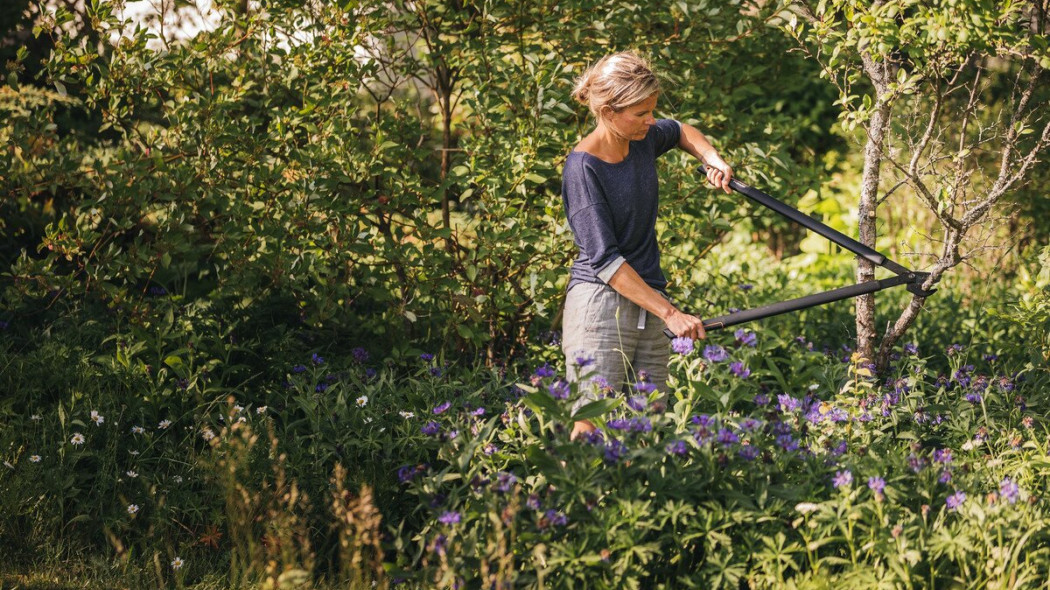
686	326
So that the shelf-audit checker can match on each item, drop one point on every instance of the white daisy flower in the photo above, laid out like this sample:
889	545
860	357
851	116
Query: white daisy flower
35	458
362	401
237	408
137	430
133	508
36	417
242	419
260	410
131	473
98	418
806	507
78	439
177	479
207	434
406	415
177	563
164	424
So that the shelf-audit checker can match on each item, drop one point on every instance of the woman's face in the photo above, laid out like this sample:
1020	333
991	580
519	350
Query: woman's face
633	122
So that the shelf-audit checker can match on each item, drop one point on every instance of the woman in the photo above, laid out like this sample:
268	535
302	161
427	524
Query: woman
616	309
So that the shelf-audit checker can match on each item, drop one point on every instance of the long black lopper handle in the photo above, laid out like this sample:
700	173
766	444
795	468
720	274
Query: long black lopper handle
812	224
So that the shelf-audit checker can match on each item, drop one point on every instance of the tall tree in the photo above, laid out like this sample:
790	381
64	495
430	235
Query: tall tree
951	95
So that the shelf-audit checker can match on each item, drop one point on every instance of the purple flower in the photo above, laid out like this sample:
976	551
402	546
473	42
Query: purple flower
682	346
533	502
317	360
544	371
614	451
645	387
750	424
678	447
916	463
990	358
491	449
727	437
584	361
748	453
703	420
745	287
406	473
321	387
600	382
973	397
737	368
640	424
954	349
911	348
1005	384
842	478
715	353
839	449
478	412
745	338
956	500
1008	490
450	517
787	442
942	455
617	424
504	482
762	399
430	428
440	408
360	355
436	371
946	476
554	518
370	373
426	357
559	389
788	404
637	402
876	484
298	369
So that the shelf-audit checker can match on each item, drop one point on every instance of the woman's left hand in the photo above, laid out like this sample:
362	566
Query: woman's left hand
719	174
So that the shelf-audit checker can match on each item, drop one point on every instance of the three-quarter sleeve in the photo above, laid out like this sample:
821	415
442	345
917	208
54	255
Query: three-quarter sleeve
591	220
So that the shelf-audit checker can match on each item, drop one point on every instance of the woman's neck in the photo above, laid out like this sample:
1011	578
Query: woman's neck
609	142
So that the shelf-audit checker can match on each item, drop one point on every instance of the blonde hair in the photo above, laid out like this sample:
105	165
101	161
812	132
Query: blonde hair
617	81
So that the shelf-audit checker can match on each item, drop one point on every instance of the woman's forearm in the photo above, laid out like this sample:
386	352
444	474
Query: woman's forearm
627	282
696	143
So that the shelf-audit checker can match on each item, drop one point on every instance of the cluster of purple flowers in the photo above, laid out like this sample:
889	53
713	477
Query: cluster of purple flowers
559	389
737	368
407	473
637	403
637	424
553	518
788	404
1008	490
877	485
678	447
614	451
823	411
955	501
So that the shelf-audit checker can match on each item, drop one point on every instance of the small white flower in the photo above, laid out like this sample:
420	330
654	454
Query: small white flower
78	439
237	409
806	507
164	424
98	418
36	417
35	458
368	420
260	410
8	465
133	508
362	401
207	434
814	387
242	419
177	479
177	563
133	453
137	430
131	473
407	415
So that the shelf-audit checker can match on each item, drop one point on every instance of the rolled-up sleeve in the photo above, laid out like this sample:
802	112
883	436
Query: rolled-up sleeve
591	221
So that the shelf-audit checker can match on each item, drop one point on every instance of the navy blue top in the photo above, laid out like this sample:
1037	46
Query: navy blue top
612	209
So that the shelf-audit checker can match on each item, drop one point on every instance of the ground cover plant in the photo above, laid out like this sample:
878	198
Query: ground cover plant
279	300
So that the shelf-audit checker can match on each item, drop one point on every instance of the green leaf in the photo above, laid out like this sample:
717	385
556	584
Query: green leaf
597	408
